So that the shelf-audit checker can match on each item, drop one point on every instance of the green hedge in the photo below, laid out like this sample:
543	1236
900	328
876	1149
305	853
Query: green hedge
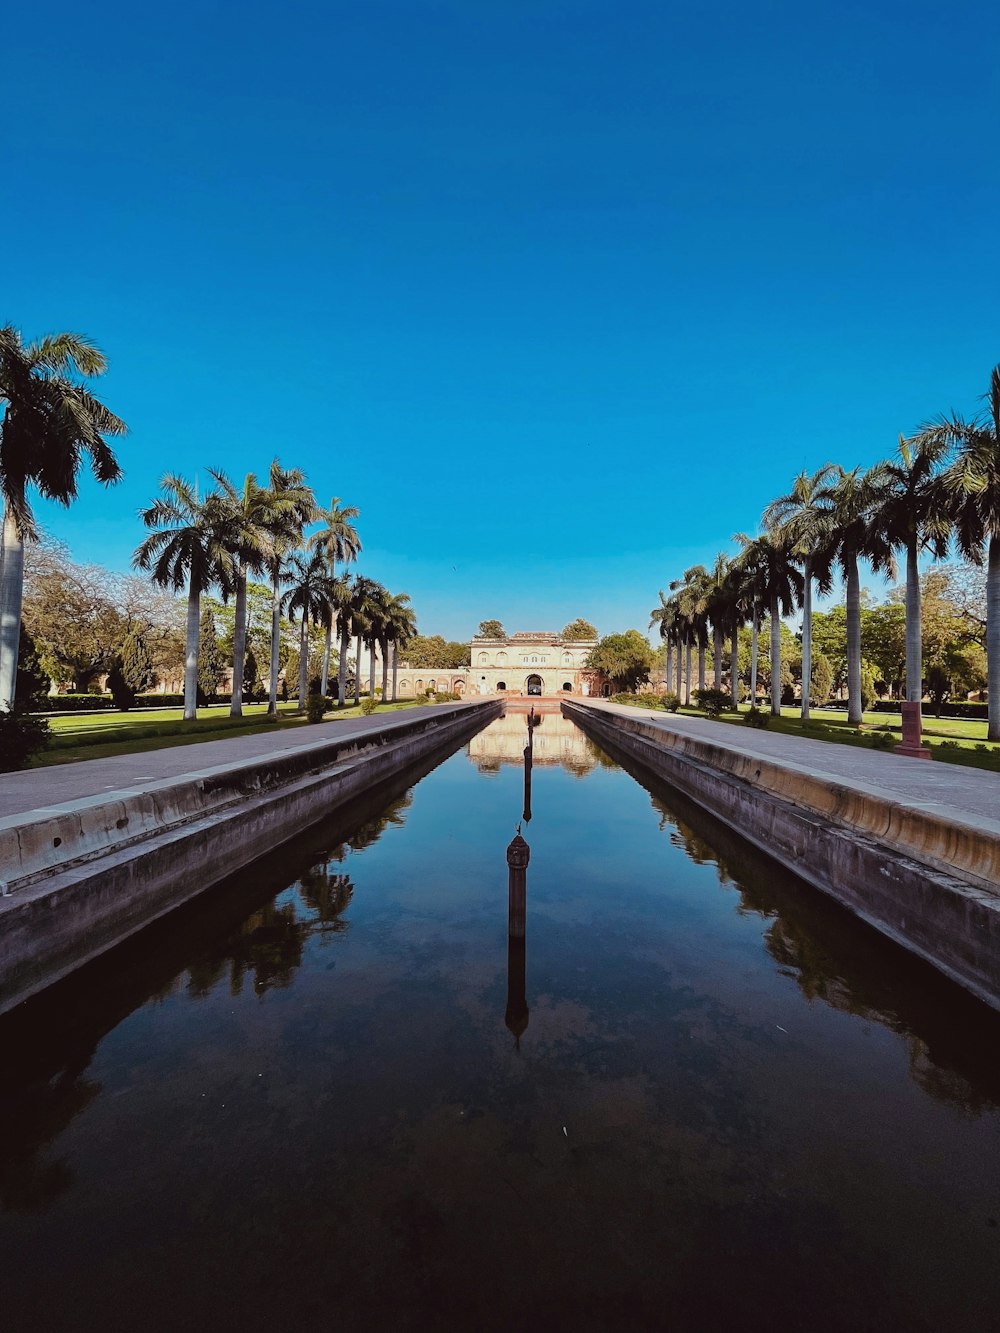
103	703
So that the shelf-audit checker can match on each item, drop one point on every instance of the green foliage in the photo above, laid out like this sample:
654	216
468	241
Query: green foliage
434	653
119	688
490	629
251	677
822	679
210	661
579	630
32	685
317	705
21	736
136	664
626	659
757	717
446	697
671	701
714	702
369	704
869	680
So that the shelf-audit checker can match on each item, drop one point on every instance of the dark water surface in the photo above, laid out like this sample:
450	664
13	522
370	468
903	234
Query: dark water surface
296	1104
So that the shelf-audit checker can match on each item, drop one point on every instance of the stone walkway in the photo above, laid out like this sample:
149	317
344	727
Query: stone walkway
971	792
37	788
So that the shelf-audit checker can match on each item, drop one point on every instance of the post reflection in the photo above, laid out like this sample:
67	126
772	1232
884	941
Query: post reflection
516	1017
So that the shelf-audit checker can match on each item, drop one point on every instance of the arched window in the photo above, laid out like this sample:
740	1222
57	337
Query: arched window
484	659
501	659
501	685
567	685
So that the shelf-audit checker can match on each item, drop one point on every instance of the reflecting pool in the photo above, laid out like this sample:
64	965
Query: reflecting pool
628	1074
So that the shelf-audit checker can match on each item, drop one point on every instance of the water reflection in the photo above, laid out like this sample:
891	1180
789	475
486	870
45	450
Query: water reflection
516	1015
835	960
49	1043
556	741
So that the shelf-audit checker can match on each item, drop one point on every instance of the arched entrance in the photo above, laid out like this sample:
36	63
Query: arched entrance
533	685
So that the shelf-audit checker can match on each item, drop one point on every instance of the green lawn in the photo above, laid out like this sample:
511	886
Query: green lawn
954	740
97	735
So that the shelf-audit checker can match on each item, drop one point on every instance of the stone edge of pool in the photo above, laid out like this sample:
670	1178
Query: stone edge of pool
926	879
84	876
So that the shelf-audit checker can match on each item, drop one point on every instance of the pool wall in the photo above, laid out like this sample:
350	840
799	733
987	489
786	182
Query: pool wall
921	879
83	877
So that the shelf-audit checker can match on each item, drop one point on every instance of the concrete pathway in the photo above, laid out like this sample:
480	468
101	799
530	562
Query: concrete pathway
970	792
21	793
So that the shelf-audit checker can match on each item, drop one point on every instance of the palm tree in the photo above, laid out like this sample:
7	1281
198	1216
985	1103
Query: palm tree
851	499
692	592
187	547
375	633
400	625
291	506
361	612
778	584
662	616
309	595
247	518
803	517
341	598
51	422
911	509
972	488
338	540
748	567
718	610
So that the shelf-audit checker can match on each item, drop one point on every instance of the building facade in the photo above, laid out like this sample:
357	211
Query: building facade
530	663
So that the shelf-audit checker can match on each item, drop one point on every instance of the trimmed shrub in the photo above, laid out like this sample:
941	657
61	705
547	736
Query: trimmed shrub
758	717
316	706
714	702
671	702
369	704
21	736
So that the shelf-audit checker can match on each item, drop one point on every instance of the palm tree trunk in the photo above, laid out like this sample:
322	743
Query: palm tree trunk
345	643
687	677
807	597
993	637
734	664
191	652
717	655
371	668
853	640
669	664
701	663
239	643
754	655
385	669
303	662
272	689
680	669
11	598
395	668
357	673
775	658
327	647
914	655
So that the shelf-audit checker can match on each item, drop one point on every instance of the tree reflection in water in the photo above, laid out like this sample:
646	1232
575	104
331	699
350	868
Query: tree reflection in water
49	1043
836	960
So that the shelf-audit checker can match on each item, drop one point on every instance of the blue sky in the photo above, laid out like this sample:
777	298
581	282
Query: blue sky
559	294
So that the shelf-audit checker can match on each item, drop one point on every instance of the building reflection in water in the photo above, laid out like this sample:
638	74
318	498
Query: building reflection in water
557	741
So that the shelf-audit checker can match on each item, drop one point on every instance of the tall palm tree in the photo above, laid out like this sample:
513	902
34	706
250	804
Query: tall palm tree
400	625
362	611
309	595
749	567
851	498
911	508
972	489
341	598
804	519
188	546
779	586
375	633
718	610
664	618
291	506
247	520
50	423
692	592
338	540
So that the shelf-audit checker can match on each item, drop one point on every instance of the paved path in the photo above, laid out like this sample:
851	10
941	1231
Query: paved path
21	793
970	792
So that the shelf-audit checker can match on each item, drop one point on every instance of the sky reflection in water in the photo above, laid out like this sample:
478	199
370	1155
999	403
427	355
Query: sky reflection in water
719	1101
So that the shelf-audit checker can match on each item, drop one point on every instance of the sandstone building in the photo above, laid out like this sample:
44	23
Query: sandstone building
531	663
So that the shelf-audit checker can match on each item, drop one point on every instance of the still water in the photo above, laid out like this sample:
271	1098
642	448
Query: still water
332	1094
